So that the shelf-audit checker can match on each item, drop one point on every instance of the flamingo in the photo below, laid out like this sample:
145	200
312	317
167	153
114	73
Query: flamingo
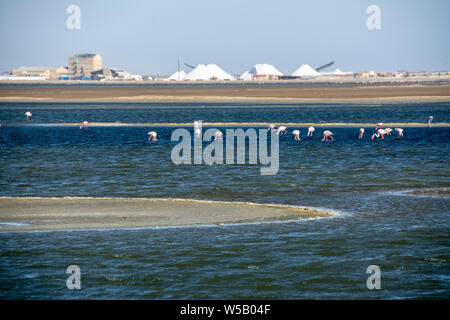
379	125
399	132
84	125
430	118
296	133
198	132
218	135
152	137
311	131
327	134
282	130
388	131
380	132
361	133
28	114
197	129
271	127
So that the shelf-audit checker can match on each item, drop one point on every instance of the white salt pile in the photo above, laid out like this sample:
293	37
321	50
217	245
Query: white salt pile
260	69
208	72
178	75
305	70
339	72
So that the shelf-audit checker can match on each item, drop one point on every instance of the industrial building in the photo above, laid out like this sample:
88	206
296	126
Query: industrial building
45	72
114	74
82	65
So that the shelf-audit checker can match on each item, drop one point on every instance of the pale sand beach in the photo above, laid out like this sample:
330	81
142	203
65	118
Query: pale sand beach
282	93
236	124
34	213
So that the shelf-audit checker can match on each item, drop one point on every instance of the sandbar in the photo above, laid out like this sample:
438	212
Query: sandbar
235	124
445	192
36	213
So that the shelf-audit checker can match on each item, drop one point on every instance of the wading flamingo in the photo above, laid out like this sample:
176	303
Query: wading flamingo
311	131
84	125
327	134
152	135
380	132
218	135
399	132
379	125
430	118
198	132
361	133
282	130
271	127
388	131
296	133
28	114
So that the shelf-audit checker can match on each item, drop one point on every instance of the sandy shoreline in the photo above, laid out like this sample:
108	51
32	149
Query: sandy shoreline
286	93
233	124
33	214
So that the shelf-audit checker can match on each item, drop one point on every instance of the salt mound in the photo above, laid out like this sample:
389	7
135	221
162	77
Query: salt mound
260	69
305	70
338	72
179	75
208	72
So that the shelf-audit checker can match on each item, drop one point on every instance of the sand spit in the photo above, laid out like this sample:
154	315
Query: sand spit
34	213
233	124
431	192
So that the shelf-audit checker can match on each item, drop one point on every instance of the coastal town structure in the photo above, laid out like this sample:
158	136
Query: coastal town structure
39	72
89	66
82	65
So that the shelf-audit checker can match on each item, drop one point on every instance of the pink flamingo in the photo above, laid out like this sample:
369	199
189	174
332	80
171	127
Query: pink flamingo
399	132
28	114
218	135
84	125
327	134
430	118
282	130
388	131
296	133
198	132
271	127
380	132
379	125
152	137
361	133
310	131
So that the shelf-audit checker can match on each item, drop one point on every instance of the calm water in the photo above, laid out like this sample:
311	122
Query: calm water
406	235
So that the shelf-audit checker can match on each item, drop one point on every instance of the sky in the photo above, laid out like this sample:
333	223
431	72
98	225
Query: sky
149	37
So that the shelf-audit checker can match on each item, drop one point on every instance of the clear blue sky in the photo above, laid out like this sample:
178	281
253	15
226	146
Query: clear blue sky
148	37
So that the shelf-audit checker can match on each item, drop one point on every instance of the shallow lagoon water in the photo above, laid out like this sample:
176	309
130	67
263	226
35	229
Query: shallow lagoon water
406	235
